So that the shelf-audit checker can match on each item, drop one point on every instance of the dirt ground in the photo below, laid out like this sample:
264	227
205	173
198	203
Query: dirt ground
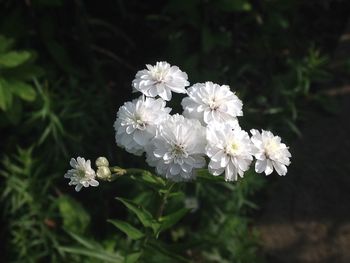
307	215
306	218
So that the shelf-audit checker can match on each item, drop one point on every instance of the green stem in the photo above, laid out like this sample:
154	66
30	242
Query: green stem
164	200
118	171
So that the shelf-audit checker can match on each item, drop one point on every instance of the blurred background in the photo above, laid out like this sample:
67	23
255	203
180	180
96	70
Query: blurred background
67	66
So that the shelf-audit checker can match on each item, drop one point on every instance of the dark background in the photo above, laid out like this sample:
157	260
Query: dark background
288	61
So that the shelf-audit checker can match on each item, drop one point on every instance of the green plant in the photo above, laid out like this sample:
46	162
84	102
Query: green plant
16	72
28	209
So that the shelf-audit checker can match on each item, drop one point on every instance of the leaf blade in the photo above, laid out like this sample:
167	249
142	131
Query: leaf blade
131	231
13	59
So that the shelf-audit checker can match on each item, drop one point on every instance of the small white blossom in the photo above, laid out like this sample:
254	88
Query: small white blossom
161	80
178	148
271	153
82	174
209	102
137	122
230	150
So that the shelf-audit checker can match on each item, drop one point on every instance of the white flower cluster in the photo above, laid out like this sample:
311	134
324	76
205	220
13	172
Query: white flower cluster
176	145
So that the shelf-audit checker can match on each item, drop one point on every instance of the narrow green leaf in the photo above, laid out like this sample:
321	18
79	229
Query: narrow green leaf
5	95
146	178
293	127
171	219
14	58
143	215
128	229
152	179
84	242
103	255
22	90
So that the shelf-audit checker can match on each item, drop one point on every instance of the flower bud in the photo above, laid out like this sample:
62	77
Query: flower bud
103	173
102	161
192	203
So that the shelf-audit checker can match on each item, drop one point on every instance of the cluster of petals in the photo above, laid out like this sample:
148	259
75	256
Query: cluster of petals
271	153
211	102
177	145
160	80
178	148
230	150
137	122
82	175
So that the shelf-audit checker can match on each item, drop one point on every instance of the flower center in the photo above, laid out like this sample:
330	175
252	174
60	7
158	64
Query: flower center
178	150
139	123
80	173
213	105
271	147
233	148
159	75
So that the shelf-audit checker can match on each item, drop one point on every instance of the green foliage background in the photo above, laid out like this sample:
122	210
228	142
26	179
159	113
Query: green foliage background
66	67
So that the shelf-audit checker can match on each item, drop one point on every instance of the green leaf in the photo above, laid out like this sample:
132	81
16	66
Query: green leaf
128	229
103	255
133	257
152	179
91	249
22	90
147	178
5	95
90	244
75	218
142	214
293	127
14	58
5	43
171	219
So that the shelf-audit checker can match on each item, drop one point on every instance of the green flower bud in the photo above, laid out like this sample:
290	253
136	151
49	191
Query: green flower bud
103	173
102	161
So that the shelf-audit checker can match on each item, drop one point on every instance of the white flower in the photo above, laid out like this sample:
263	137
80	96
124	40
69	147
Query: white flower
230	151
178	148
271	153
160	80
211	102
233	124
82	174
137	122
